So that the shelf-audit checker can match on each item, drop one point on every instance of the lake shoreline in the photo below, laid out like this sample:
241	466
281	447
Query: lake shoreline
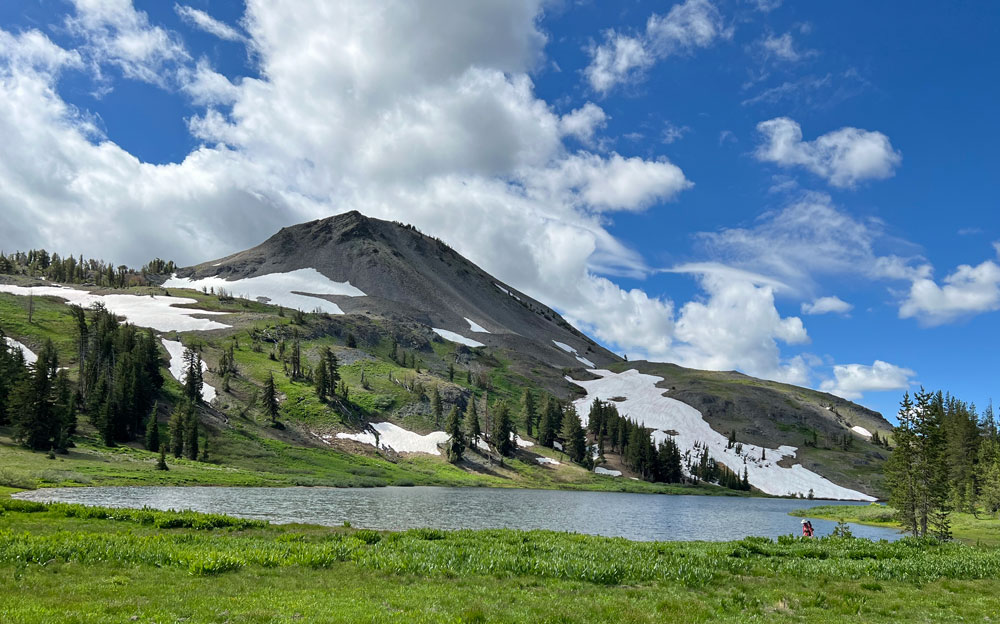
634	516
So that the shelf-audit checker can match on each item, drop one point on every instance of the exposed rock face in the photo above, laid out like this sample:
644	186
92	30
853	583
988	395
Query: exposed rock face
410	277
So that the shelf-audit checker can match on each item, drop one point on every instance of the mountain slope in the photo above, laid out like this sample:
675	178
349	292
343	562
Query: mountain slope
410	277
409	319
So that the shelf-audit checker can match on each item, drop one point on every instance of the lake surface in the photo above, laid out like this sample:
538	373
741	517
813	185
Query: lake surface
643	517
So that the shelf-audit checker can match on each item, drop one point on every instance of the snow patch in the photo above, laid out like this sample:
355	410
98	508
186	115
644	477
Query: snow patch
861	430
506	292
547	460
399	439
459	338
295	289
159	313
522	442
604	471
568	349
476	327
645	403
29	355
176	351
558	445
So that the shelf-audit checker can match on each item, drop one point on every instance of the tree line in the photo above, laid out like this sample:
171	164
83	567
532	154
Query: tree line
71	269
945	458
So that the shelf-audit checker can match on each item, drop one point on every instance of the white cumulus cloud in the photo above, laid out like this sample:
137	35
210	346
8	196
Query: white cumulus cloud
967	291
622	58
843	157
826	305
851	381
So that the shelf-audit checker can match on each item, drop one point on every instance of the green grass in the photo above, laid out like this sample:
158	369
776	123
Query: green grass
49	321
251	460
965	527
101	567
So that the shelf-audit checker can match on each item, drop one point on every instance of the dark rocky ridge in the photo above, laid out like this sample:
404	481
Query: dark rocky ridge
413	277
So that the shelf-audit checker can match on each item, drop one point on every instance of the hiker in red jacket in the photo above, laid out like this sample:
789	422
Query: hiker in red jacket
807	528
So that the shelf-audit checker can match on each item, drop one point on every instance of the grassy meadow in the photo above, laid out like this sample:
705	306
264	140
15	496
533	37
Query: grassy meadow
70	563
969	528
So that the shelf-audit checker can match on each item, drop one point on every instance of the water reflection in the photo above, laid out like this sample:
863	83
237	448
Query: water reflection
634	516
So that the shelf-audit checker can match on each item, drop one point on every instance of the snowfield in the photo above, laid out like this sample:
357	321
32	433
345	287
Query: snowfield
459	338
176	351
291	290
861	430
476	327
399	439
579	358
142	310
29	355
645	403
604	471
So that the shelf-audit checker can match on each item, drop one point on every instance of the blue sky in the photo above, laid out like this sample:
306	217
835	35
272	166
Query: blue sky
684	181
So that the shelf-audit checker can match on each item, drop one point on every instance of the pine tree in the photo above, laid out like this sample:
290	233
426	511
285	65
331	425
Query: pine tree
456	439
177	421
572	433
270	399
503	430
191	434
451	372
296	357
529	410
321	380
32	405
332	370
550	421
161	463
472	429
989	496
193	383
916	471
153	432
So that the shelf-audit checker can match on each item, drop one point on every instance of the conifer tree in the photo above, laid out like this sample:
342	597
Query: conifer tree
916	471
332	370
177	421
472	429
530	411
321	380
193	383
551	420
270	399
191	434
503	430
32	408
161	464
572	433
456	439
153	432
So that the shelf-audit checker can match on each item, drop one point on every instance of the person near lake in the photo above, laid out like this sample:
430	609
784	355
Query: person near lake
807	528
